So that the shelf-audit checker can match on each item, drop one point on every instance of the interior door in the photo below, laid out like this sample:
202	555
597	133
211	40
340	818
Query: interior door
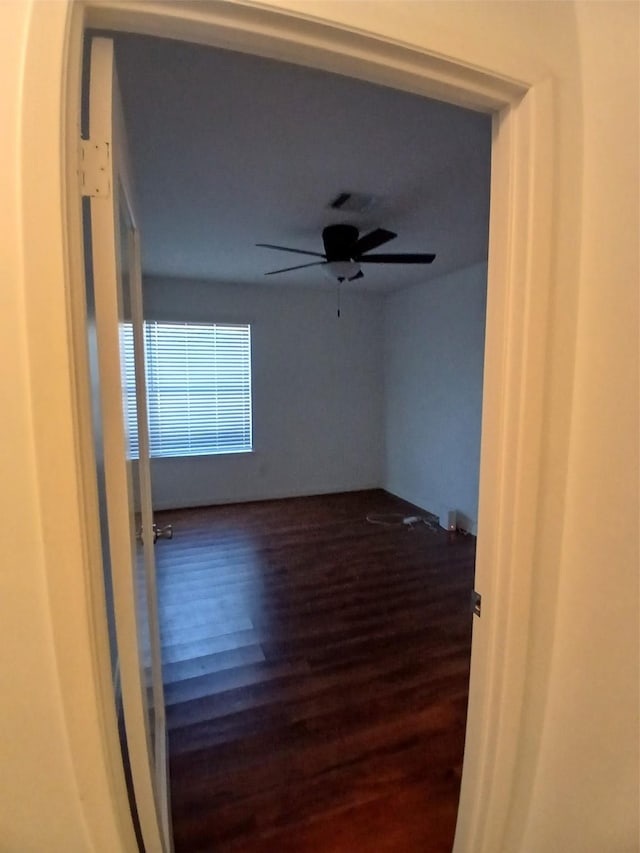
115	252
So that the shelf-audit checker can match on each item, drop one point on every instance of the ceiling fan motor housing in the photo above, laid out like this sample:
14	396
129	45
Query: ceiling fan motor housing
340	242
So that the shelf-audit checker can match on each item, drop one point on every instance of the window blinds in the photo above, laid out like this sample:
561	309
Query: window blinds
198	388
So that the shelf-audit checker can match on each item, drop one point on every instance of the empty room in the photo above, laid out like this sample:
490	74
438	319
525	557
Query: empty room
313	254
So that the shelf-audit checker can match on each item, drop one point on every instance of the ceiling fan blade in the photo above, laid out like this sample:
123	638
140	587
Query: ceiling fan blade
359	274
287	249
397	259
300	267
373	239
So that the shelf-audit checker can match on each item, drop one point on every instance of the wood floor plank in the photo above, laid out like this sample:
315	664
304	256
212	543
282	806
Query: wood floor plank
412	818
316	674
185	650
203	665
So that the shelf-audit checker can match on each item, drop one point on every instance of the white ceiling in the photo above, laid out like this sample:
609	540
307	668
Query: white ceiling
230	150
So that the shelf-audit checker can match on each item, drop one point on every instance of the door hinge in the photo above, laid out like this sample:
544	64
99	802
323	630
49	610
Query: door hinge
476	603
95	168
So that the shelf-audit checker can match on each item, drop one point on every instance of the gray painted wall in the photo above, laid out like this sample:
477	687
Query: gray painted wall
389	395
434	351
318	412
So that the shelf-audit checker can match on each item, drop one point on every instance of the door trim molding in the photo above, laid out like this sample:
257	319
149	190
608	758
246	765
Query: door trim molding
515	356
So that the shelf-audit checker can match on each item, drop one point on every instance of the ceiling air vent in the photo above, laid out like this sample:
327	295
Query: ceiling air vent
353	202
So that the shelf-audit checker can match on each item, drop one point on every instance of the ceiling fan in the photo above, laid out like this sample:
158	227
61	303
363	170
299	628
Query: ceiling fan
345	250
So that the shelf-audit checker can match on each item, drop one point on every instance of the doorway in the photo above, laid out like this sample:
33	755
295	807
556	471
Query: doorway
516	206
420	335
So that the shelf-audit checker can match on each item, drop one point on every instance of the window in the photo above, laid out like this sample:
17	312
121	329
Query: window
198	388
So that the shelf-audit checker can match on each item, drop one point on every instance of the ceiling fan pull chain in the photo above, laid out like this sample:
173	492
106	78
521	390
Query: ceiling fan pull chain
338	296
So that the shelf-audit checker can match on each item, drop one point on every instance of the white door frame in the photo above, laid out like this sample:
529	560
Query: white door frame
517	342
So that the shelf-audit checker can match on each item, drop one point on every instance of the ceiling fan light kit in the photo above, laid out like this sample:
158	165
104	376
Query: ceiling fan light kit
345	250
343	270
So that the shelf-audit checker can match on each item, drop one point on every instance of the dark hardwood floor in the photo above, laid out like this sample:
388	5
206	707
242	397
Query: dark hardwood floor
316	675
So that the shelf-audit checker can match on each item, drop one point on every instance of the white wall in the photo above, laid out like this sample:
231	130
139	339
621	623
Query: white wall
434	350
329	393
317	393
586	795
39	803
